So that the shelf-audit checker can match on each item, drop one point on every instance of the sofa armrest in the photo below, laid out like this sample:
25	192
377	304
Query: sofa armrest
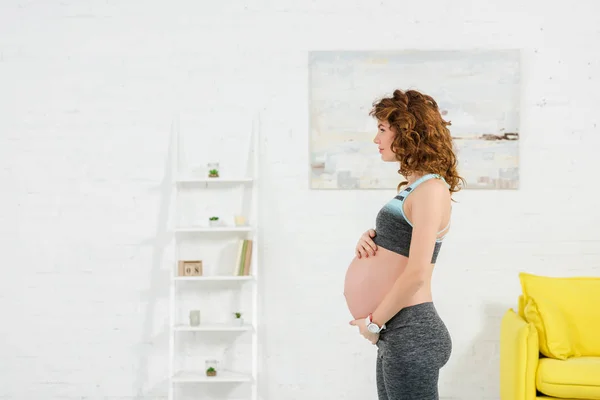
519	357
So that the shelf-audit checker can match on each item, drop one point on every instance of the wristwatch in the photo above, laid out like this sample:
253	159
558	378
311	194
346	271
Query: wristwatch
372	326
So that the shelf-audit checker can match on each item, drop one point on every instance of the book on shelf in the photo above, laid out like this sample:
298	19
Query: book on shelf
244	258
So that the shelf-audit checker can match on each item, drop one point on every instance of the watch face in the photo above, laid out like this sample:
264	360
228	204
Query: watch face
372	328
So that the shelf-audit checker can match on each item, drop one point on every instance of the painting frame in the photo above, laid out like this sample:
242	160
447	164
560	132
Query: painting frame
478	90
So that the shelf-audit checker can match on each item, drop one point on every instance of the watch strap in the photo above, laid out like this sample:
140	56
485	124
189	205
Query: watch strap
370	321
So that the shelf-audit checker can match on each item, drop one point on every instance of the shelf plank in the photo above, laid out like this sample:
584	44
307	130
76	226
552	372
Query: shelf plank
213	180
214	229
213	328
222	377
215	278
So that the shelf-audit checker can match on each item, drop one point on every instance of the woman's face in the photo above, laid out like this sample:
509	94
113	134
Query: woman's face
384	138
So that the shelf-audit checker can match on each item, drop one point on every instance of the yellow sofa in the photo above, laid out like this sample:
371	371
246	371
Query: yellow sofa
550	346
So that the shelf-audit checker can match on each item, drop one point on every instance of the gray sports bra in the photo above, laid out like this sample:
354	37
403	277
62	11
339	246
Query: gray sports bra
392	227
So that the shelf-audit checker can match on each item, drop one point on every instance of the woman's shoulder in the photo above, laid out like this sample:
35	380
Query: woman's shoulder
434	190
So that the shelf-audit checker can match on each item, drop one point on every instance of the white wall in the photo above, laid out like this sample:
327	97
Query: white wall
88	91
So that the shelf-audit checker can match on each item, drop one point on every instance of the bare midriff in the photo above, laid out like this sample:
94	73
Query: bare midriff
369	279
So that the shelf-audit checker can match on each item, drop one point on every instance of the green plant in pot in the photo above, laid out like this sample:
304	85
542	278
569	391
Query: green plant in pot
213	221
211	371
213	173
238	318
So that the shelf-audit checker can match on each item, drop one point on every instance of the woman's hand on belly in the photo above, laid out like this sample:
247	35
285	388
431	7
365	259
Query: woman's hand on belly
366	246
362	328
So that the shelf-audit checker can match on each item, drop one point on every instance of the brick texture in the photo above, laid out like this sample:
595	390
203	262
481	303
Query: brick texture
88	92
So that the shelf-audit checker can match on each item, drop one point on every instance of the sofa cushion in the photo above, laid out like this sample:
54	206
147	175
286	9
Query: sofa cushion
554	330
576	378
565	312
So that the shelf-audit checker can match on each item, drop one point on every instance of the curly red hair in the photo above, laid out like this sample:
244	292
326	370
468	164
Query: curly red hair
423	143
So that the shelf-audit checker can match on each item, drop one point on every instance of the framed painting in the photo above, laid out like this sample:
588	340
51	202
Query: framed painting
476	90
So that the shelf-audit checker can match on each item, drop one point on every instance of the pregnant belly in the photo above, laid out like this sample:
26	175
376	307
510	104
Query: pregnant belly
369	279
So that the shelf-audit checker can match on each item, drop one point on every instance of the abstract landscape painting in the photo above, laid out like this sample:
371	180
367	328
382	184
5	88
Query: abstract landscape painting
478	91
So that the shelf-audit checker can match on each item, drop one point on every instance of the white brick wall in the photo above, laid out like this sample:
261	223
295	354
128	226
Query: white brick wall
87	93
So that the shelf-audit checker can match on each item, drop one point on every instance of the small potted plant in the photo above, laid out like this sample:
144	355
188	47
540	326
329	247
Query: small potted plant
238	318
211	367
213	170
213	221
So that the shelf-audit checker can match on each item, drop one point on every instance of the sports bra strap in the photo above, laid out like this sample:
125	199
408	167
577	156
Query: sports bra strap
412	187
422	179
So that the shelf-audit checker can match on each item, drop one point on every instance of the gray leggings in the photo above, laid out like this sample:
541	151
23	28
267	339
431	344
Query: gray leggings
411	351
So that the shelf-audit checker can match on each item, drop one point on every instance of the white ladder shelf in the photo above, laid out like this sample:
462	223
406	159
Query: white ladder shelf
179	378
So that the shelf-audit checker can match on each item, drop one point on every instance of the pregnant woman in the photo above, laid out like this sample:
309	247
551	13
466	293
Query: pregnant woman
388	283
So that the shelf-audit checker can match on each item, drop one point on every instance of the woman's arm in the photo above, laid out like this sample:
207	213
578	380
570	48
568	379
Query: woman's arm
426	216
